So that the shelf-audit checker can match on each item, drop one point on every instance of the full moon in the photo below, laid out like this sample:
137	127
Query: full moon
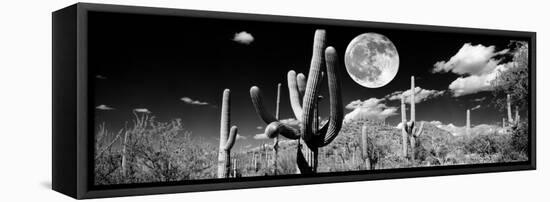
371	60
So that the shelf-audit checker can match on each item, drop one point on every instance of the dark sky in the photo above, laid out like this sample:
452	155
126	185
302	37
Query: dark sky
145	61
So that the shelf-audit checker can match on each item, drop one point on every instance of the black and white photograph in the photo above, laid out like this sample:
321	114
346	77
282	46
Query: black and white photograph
183	99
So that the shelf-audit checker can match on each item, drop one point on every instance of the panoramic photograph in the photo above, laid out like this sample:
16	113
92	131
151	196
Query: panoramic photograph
185	99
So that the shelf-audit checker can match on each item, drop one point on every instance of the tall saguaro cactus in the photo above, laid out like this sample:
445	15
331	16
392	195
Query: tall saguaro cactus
276	139
305	109
227	137
125	155
467	122
367	156
410	128
509	109
511	120
404	135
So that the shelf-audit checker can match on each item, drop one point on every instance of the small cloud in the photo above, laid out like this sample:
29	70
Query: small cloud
420	95
100	77
142	110
260	136
104	107
399	125
436	123
240	137
243	38
476	107
190	101
371	109
479	99
259	127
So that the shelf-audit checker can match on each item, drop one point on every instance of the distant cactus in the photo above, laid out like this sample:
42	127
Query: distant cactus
512	121
409	128
227	137
310	137
367	156
467	122
509	109
235	168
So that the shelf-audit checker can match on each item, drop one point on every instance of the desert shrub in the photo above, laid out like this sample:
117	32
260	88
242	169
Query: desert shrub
519	138
155	152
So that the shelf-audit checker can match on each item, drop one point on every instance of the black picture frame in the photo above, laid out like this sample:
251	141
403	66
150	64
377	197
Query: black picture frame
72	125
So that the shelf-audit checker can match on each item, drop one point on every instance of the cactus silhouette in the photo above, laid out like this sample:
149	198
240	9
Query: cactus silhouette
409	129
227	137
309	136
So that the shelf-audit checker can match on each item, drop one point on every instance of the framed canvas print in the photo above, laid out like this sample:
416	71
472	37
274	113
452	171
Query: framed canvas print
154	100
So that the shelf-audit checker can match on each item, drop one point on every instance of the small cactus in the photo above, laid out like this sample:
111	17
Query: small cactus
310	137
227	137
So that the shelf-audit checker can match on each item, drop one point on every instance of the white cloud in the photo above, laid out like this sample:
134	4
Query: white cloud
471	60
479	99
371	109
420	95
399	126
476	66
476	83
243	37
259	127
240	137
104	107
142	110
260	136
193	102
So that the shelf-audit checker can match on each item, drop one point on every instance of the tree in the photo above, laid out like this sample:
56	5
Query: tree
515	79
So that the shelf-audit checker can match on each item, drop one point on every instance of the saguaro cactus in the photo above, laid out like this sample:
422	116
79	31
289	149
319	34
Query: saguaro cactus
511	120
404	135
467	122
276	139
410	128
516	119
235	167
124	154
367	156
227	137
310	138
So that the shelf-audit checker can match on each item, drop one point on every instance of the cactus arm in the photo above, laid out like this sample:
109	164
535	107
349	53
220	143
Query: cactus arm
312	86
294	94
335	94
231	139
301	79
256	96
275	128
